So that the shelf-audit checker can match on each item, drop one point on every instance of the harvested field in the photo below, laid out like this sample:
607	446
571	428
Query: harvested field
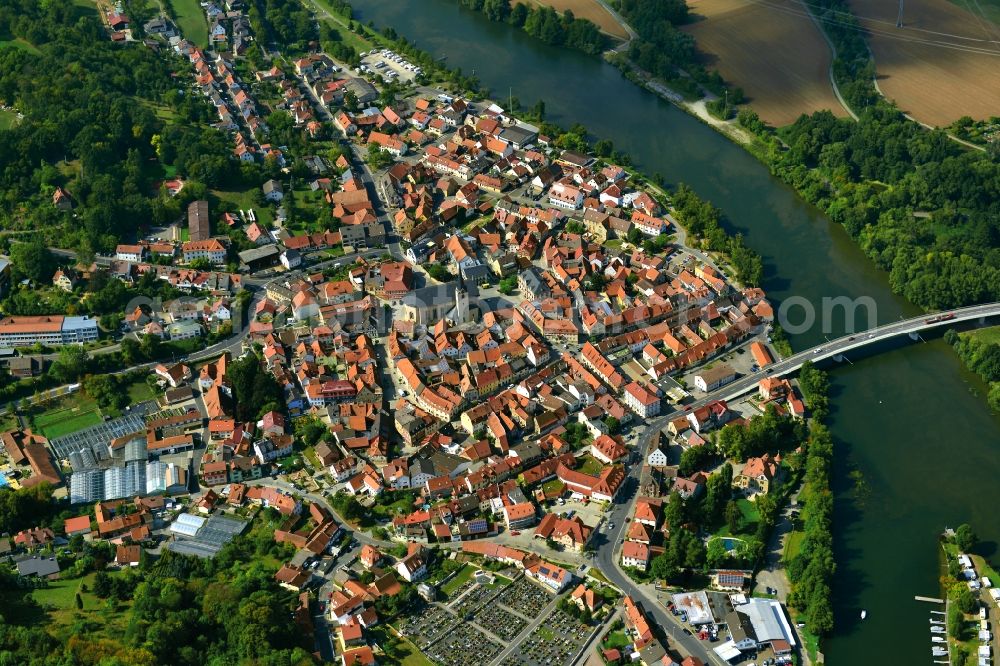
936	84
591	10
779	58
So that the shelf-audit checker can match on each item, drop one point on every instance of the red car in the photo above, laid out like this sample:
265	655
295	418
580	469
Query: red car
515	533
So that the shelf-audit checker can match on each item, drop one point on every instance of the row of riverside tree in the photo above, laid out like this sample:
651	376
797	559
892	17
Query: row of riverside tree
545	24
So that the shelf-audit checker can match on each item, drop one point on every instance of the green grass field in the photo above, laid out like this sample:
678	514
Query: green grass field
404	652
19	44
553	488
191	20
750	519
59	600
594	572
988	336
8	422
310	453
590	465
68	422
499	581
243	201
7	119
339	24
140	391
69	414
792	545
616	639
85	7
460	579
162	111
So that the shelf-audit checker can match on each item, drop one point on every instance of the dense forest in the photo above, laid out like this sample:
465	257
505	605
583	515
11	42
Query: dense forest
920	205
285	22
104	122
545	24
178	610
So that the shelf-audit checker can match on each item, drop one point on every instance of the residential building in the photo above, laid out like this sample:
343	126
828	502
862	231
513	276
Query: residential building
211	249
551	576
635	554
643	402
519	516
273	191
758	474
133	253
413	567
712	378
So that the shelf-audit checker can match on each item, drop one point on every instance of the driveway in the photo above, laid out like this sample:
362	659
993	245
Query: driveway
772	574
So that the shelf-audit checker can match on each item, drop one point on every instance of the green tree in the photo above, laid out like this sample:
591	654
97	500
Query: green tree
676	511
734	517
106	390
966	600
716	554
71	363
693	459
33	260
955	623
965	538
507	285
378	158
662	568
102	585
150	346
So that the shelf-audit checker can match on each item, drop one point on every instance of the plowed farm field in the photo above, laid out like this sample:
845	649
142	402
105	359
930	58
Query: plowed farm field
950	67
772	50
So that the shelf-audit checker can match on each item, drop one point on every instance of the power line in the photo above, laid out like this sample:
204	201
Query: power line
894	35
822	10
870	19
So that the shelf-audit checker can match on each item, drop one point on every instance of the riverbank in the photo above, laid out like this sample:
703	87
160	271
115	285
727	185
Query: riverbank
966	584
697	108
885	536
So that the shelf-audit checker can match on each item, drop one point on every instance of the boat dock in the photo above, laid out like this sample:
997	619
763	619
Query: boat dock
930	600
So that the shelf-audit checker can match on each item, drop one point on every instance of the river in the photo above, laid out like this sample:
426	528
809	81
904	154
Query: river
910	422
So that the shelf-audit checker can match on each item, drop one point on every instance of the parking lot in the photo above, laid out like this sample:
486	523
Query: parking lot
390	66
591	513
739	359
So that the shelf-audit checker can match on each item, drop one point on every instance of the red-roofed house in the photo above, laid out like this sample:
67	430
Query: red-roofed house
519	516
607	449
78	525
758	474
635	554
